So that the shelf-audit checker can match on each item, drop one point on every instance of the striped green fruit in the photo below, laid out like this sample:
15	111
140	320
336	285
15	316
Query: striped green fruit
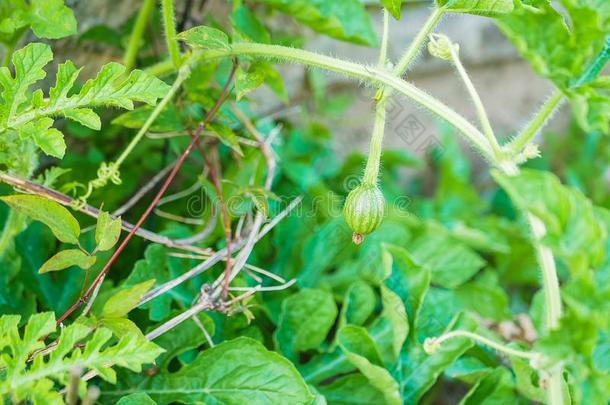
364	210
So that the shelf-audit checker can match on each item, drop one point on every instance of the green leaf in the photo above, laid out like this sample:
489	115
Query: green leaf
489	8
226	136
235	372
139	398
580	27
495	388
125	300
360	351
352	389
359	303
84	116
50	140
355	339
25	380
63	225
32	116
246	81
51	19
393	7
28	62
168	120
121	326
574	227
418	370
67	258
107	231
412	276
305	321
203	37
451	263
395	313
342	19
247	27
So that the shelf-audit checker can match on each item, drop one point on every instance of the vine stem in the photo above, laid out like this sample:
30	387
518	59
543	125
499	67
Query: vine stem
537	122
431	344
135	39
368	74
169	23
476	99
194	139
419	39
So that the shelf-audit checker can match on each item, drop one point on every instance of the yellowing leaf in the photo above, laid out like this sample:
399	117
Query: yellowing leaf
67	258
125	300
63	225
205	38
107	231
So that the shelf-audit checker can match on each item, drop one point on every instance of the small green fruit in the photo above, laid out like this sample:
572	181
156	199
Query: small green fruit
364	210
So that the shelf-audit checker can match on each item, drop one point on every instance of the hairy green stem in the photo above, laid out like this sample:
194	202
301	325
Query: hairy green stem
135	39
169	25
371	171
551	290
478	104
419	39
432	343
541	117
368	74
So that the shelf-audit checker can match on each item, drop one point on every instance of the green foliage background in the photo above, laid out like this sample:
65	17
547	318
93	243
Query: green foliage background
351	330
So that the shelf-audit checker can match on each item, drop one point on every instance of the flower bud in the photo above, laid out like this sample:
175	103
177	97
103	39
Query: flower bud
440	46
364	210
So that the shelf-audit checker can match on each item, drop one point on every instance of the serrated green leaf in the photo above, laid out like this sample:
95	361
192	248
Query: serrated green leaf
107	231
50	140
489	8
63	225
84	116
342	19
29	62
25	380
67	258
125	300
581	28
305	320
393	7
51	19
203	37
